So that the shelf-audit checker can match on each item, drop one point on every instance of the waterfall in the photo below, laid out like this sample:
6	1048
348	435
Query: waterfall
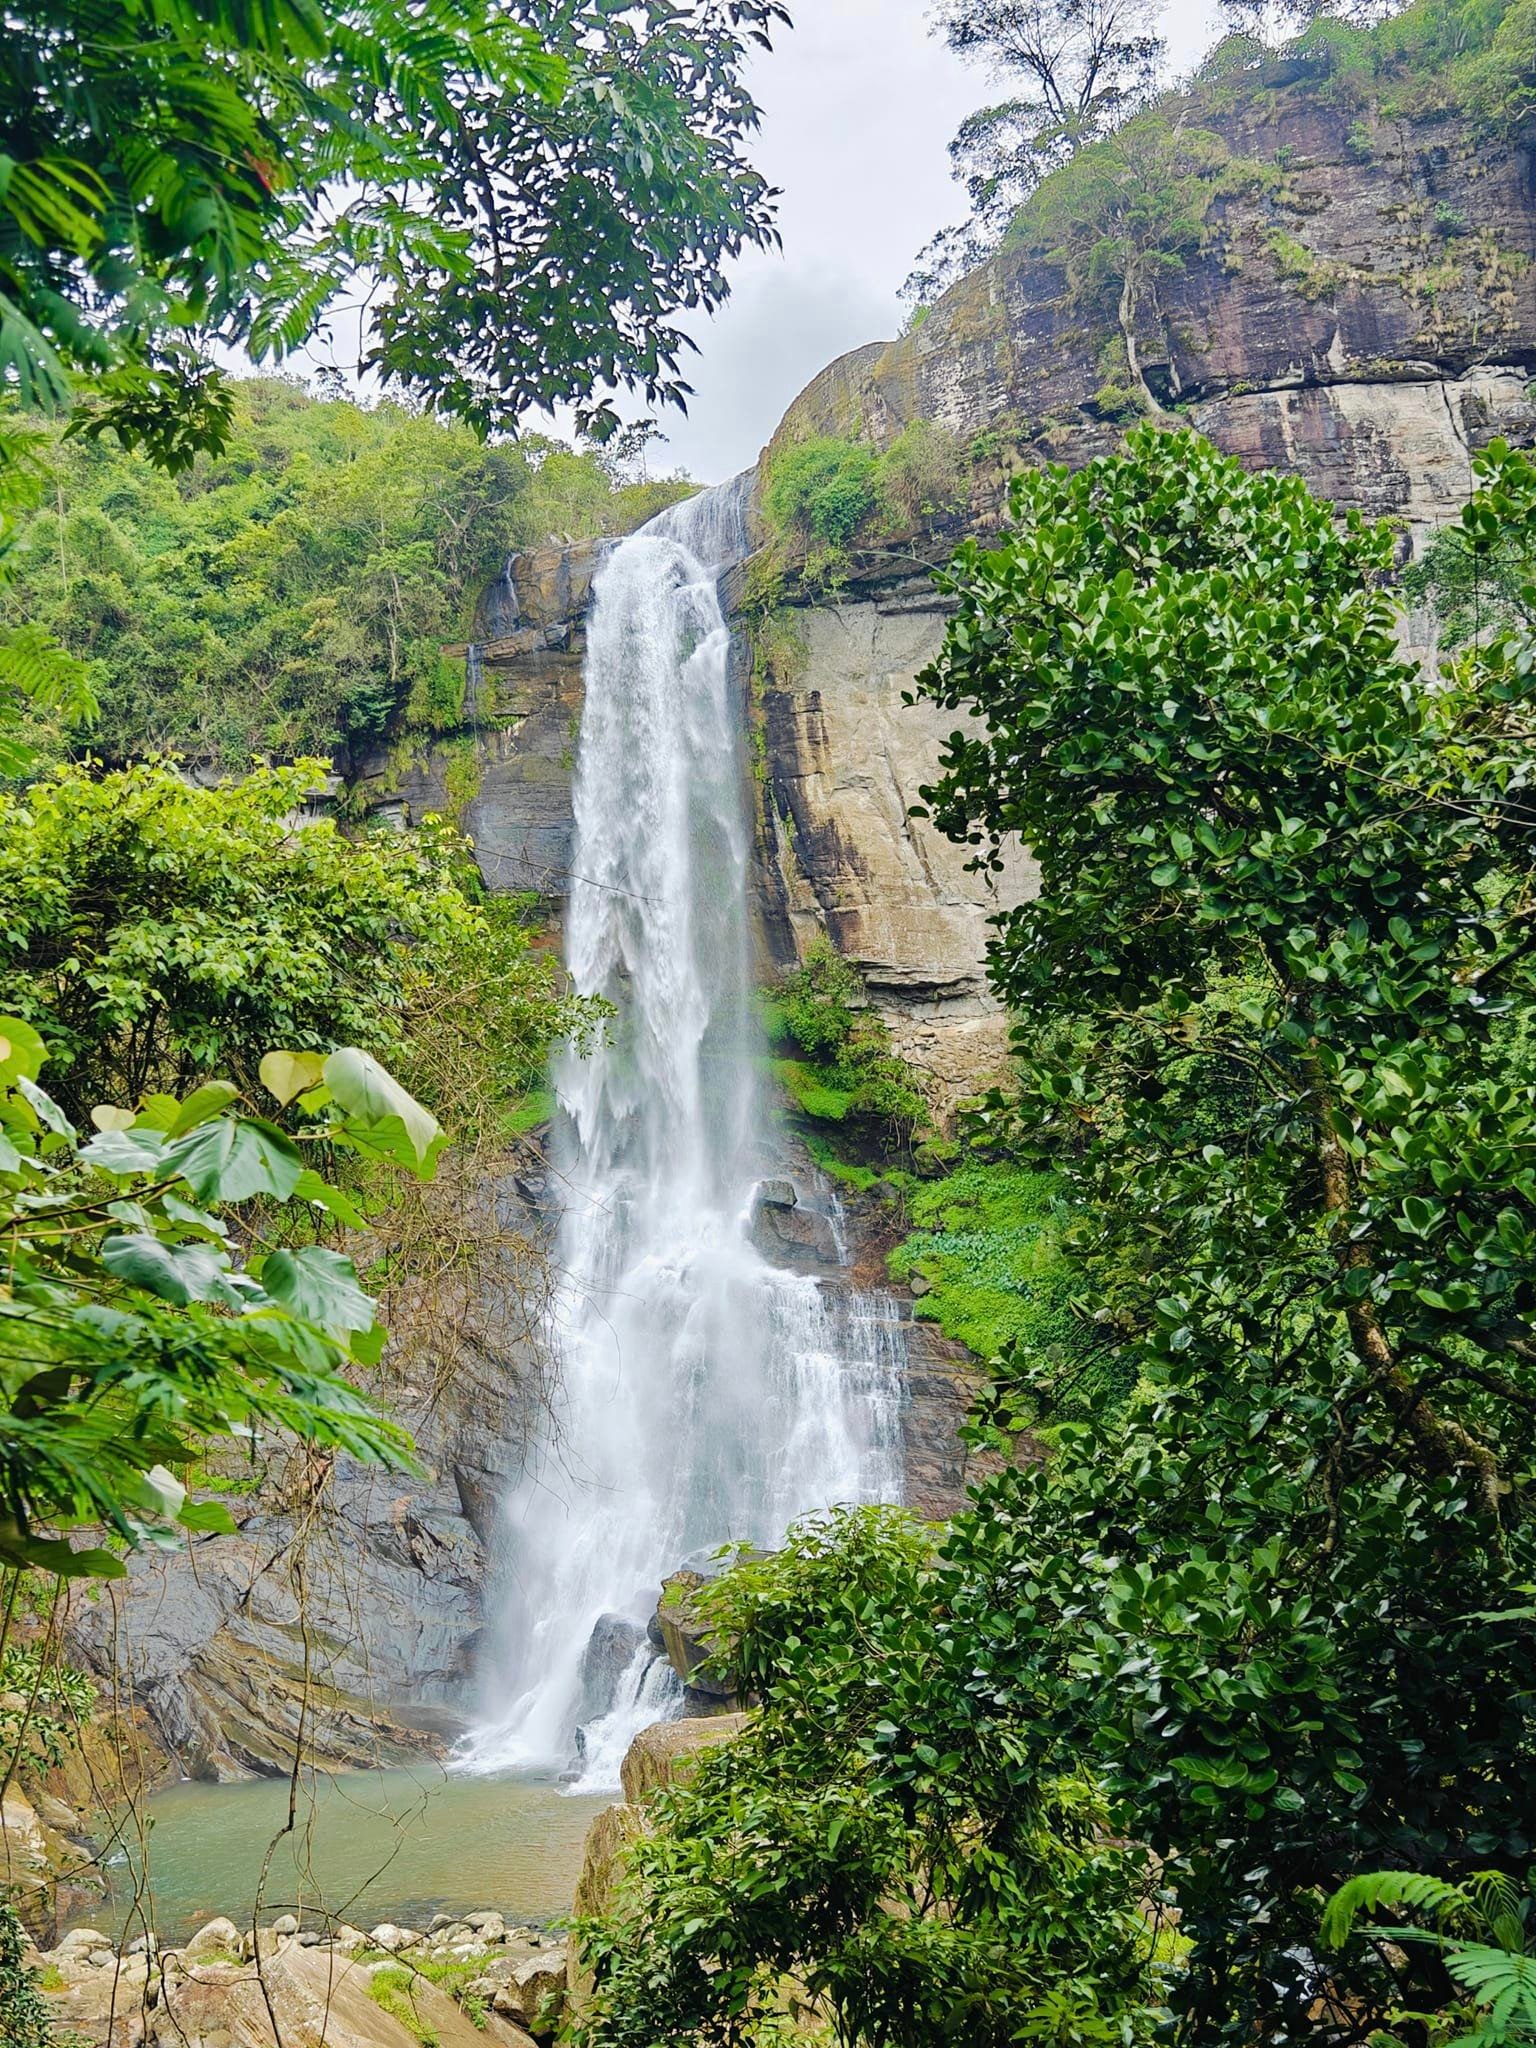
707	1396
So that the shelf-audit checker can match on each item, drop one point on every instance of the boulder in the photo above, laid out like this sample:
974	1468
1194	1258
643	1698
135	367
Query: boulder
216	1940
540	1984
667	1753
609	1653
489	1926
683	1637
30	1861
388	1936
319	2000
775	1194
108	2007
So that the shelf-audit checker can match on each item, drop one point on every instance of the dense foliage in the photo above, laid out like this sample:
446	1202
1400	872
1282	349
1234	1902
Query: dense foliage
795	1876
293	594
824	495
145	1318
1271	1617
842	1069
25	2018
154	932
534	191
1072	70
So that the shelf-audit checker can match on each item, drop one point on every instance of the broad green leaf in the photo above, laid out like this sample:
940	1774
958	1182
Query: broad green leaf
287	1074
205	1102
208	1518
232	1159
176	1273
311	1188
22	1052
108	1118
365	1091
318	1284
123	1152
168	1488
44	1106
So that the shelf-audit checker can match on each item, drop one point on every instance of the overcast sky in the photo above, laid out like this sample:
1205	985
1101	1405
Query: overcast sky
859	104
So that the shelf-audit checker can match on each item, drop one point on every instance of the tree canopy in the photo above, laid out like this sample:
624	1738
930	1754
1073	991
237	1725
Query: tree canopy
293	594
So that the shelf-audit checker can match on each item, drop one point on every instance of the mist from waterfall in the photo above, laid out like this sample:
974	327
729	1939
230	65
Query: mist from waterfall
707	1396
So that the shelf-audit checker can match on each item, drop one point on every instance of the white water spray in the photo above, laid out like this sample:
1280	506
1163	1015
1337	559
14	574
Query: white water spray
707	1395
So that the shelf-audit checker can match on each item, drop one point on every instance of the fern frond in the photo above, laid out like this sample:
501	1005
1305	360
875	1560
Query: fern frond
1378	1889
35	666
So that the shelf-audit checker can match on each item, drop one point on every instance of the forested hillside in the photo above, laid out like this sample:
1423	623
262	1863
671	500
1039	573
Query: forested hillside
291	594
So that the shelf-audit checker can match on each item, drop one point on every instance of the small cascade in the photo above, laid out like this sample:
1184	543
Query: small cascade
649	1691
707	1396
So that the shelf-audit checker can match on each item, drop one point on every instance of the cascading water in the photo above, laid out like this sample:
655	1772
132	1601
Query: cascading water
708	1396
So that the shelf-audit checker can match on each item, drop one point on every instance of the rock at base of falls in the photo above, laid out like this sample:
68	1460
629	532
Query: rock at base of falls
683	1637
609	1653
775	1194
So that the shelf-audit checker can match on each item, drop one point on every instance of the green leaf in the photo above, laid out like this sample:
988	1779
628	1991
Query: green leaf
205	1102
208	1518
311	1188
123	1152
232	1159
365	1091
176	1273
22	1052
318	1284
287	1074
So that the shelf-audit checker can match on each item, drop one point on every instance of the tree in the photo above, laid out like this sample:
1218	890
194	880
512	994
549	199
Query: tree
525	197
1276	21
293	594
793	1871
1263	1624
1083	66
1284	926
175	175
155	932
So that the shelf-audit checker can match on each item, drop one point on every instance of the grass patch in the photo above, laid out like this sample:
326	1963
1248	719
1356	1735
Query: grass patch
529	1112
988	1240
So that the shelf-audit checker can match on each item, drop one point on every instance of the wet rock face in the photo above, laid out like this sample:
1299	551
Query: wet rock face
609	1653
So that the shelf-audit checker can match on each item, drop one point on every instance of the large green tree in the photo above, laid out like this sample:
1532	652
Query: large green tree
1286	912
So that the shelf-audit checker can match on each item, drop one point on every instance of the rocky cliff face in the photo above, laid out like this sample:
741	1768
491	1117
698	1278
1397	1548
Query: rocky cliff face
1362	310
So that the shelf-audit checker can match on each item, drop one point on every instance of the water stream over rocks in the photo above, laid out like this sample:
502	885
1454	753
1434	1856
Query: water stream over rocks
708	1395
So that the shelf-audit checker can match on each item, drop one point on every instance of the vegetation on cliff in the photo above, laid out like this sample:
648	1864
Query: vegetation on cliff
292	594
1266	1627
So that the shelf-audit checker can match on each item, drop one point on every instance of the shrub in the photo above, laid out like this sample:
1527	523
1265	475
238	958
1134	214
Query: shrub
822	490
848	1072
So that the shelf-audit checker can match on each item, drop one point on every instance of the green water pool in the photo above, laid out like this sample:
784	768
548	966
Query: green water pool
367	1846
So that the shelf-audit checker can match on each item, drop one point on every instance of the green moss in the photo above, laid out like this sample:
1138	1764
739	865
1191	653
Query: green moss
847	1173
392	1988
530	1111
988	1241
813	1093
834	1054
